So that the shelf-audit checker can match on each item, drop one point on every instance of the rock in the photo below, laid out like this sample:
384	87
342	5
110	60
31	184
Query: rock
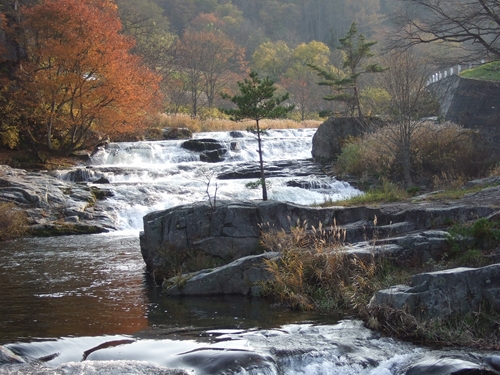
236	134
444	293
53	204
101	180
7	356
243	276
309	185
229	232
176	133
403	233
280	168
445	366
235	146
493	361
215	156
493	180
205	144
331	135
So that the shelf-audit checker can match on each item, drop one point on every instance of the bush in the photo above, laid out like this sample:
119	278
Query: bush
441	153
13	222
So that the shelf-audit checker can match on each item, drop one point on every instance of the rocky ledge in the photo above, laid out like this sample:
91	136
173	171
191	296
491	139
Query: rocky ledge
407	233
54	206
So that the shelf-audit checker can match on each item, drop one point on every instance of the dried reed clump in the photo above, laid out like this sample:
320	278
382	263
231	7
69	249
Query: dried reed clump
314	270
13	222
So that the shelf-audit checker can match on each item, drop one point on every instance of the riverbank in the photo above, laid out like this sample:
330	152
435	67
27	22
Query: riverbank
337	259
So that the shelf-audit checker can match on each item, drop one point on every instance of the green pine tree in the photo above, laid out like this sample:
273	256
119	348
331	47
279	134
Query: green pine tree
356	50
257	101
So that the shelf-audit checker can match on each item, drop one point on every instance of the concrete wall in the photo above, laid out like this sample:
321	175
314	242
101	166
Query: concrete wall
474	104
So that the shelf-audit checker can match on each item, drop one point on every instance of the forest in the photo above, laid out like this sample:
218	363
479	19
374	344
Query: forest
77	71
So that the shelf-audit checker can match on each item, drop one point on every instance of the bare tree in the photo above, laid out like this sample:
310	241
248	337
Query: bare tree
473	24
405	81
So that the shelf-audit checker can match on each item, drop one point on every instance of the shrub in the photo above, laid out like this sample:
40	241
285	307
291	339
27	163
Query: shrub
441	153
13	222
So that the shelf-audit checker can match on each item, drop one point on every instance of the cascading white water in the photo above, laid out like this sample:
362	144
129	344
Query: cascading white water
150	176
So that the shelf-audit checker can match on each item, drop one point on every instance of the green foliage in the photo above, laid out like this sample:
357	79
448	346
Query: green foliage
385	193
257	101
482	234
487	72
356	51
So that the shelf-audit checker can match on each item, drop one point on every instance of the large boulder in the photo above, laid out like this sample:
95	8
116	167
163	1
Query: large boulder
444	293
229	231
331	135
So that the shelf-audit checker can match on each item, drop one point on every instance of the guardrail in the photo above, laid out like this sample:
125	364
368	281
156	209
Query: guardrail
436	77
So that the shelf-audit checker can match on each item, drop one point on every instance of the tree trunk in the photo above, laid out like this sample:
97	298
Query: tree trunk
262	175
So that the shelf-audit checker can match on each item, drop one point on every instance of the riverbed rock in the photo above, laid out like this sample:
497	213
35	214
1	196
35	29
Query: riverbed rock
9	357
446	366
243	276
52	203
444	293
406	233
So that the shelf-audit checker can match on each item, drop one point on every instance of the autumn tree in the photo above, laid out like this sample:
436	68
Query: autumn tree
356	52
272	58
207	59
79	76
299	79
257	101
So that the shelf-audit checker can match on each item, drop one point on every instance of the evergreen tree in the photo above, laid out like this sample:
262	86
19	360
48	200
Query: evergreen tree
257	101
356	50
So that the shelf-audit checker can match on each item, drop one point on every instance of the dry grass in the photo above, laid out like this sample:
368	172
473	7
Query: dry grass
315	272
13	222
443	154
220	124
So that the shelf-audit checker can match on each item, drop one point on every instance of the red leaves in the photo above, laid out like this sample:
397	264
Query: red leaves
80	72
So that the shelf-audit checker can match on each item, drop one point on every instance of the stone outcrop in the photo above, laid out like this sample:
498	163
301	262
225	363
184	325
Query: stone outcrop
53	205
406	233
332	134
444	293
446	366
243	276
211	150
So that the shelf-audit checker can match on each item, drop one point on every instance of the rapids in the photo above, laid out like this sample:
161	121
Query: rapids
150	176
82	305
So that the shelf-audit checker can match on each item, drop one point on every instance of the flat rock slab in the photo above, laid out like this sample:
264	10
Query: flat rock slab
443	293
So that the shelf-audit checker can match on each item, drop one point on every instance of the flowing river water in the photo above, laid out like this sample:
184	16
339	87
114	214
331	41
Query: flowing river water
84	304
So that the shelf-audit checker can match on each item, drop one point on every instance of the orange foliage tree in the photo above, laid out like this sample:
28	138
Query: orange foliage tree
79	78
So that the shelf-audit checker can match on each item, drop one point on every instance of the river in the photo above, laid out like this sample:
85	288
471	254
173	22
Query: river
84	304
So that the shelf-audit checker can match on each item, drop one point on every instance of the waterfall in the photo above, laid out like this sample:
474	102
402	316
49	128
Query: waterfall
156	175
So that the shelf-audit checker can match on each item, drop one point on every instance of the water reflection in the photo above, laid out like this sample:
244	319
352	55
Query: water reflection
95	285
71	286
